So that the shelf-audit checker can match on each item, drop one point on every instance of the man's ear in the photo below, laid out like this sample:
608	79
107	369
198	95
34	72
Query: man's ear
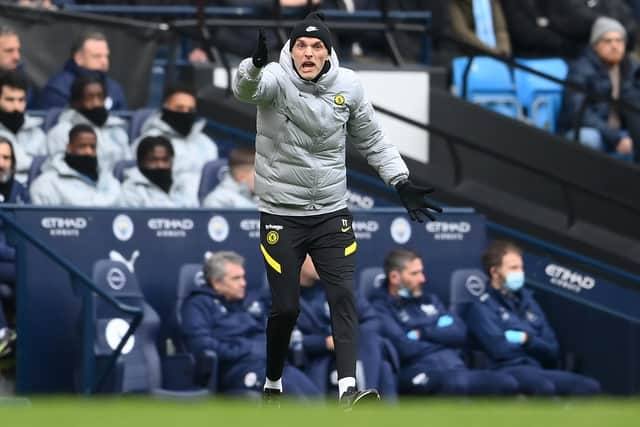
394	277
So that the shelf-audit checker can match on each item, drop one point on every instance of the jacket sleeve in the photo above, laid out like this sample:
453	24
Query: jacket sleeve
484	324
254	85
542	346
390	329
53	94
42	192
503	40
197	326
117	95
460	26
453	335
580	73
365	133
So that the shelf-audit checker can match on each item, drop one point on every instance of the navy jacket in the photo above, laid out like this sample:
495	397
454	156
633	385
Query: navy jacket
314	320
494	312
234	330
437	347
18	195
57	91
590	72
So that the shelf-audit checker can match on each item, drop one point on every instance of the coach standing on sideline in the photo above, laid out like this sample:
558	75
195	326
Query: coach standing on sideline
307	108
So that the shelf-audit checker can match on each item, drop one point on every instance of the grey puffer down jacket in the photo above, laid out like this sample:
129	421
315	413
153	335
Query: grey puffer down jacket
302	129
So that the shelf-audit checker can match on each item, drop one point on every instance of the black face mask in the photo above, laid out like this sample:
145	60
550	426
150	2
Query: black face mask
180	122
12	120
160	177
98	115
86	165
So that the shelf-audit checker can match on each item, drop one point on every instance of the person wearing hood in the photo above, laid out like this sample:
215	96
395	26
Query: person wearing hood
178	122
307	108
89	56
427	336
514	332
87	106
11	191
150	185
17	126
74	177
236	188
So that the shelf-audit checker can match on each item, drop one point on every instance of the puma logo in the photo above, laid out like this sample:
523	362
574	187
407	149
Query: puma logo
117	256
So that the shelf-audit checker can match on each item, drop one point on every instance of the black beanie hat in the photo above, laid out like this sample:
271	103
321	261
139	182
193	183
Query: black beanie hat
312	26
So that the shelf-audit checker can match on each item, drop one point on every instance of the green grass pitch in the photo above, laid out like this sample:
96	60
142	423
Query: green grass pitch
129	411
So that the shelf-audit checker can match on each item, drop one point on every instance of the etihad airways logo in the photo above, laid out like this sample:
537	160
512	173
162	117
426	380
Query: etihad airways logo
170	227
448	230
568	279
64	226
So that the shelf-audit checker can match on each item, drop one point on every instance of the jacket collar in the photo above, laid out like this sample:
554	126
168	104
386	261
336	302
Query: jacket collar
75	118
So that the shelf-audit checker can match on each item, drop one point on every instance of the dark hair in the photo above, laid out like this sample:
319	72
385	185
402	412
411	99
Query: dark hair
13	79
6	30
241	157
178	87
397	259
7	141
492	256
78	42
148	143
81	82
78	129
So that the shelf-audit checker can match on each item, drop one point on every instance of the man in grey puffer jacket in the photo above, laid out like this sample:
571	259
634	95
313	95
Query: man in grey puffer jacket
307	109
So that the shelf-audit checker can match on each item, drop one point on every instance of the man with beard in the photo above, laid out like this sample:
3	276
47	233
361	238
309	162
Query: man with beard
88	107
151	185
11	191
89	56
21	129
74	178
178	122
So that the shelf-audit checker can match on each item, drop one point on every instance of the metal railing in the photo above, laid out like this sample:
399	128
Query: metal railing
78	278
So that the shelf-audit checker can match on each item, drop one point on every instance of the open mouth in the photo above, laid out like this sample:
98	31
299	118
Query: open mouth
308	66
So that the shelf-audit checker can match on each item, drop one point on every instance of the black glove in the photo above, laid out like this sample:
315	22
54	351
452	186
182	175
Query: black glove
415	201
261	54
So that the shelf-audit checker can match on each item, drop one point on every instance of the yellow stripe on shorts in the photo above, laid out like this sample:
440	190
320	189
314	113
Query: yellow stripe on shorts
272	262
350	249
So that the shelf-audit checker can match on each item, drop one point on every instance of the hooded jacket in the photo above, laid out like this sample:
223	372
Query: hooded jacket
60	185
57	91
139	192
302	129
230	194
191	152
30	141
113	140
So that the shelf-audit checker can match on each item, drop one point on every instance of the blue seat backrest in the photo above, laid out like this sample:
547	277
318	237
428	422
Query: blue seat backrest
140	359
370	279
36	168
486	76
137	120
191	277
121	166
212	173
466	286
528	85
51	118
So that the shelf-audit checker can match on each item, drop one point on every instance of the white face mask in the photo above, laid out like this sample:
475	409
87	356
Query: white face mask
514	281
5	176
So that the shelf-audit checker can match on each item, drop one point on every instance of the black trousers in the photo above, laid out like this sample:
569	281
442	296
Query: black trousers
330	241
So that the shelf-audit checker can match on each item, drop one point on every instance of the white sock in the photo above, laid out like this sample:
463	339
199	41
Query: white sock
277	384
344	384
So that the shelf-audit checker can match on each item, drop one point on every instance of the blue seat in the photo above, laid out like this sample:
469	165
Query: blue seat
137	120
51	118
138	369
489	83
467	284
120	167
35	169
370	279
212	173
541	97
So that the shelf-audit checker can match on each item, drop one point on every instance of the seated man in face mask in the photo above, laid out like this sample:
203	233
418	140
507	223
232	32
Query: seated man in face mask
151	185
74	177
514	332
21	129
177	122
13	192
428	337
88	107
236	188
